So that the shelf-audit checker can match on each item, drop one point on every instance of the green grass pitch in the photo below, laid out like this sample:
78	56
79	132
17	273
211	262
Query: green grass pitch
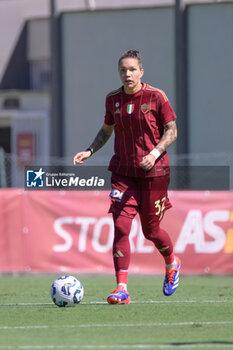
198	316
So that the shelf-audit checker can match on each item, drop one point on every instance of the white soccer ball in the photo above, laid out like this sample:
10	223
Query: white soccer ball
66	291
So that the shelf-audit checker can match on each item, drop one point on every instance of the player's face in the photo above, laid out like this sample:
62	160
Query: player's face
130	75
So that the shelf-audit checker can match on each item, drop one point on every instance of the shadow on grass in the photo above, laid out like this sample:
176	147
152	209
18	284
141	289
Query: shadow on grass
218	343
104	303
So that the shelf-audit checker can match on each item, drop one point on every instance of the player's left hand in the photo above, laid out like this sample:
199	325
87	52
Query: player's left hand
148	162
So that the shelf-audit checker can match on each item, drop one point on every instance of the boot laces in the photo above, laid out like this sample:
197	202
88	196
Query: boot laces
170	274
120	288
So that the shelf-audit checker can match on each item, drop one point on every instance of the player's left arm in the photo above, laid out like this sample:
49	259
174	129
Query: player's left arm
169	136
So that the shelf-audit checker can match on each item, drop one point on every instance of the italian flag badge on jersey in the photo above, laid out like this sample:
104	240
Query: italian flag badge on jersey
130	108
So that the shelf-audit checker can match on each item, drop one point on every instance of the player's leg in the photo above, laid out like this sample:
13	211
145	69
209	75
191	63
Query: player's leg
163	243
121	248
154	203
121	259
123	209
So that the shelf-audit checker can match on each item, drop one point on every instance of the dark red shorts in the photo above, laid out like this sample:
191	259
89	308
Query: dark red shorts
146	196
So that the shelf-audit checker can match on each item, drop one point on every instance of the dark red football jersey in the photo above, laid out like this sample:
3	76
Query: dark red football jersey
139	119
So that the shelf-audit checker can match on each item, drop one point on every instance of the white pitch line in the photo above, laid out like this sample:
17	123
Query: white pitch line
132	302
119	346
110	325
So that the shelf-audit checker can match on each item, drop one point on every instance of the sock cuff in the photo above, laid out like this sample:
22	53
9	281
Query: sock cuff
169	259
122	276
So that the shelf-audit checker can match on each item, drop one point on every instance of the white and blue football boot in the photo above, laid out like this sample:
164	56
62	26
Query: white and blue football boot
119	296
171	280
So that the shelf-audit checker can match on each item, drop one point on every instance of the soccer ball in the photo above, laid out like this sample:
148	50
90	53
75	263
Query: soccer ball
66	291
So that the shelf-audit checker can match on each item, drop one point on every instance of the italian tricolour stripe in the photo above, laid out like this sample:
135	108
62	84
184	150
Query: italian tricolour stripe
130	108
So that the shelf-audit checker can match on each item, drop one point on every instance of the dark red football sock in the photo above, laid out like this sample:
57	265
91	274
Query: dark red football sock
160	238
121	245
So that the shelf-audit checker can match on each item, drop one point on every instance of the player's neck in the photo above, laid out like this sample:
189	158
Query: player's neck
131	91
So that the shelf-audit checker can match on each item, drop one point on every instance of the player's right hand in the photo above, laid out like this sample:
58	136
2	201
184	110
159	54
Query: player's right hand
81	156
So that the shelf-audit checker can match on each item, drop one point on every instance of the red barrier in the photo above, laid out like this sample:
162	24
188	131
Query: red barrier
71	231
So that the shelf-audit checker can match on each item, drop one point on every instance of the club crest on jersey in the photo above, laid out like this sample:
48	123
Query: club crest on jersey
130	108
144	108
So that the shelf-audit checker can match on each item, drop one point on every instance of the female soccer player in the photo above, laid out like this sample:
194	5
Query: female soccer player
144	125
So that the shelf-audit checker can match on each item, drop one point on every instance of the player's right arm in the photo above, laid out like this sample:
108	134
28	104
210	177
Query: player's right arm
101	138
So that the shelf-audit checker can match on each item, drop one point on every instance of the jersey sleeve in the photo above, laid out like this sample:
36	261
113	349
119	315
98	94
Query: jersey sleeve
108	118
166	114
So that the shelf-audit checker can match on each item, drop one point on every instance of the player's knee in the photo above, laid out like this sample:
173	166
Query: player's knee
150	231
121	245
122	226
